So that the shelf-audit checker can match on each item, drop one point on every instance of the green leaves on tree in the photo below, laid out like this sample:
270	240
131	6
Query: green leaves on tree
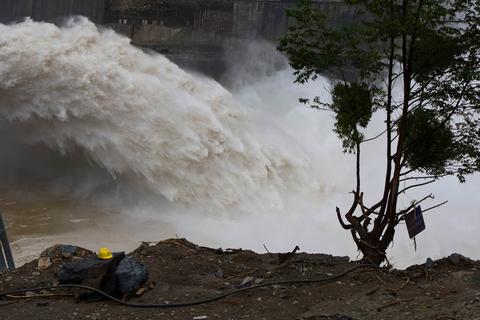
353	107
429	144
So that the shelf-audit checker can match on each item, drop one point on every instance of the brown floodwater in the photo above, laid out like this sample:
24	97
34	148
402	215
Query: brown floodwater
36	218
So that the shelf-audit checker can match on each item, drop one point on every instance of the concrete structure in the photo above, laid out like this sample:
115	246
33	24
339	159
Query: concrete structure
237	19
200	38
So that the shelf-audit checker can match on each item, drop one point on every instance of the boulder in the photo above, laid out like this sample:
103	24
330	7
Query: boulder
130	275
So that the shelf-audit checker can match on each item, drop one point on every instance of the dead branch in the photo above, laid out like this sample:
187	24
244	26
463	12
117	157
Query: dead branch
183	243
428	276
267	251
239	275
399	288
438	205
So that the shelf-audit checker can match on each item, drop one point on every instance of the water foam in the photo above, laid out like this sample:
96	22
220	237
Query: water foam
86	93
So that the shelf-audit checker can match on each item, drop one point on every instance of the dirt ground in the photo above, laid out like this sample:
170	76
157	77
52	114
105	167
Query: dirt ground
182	272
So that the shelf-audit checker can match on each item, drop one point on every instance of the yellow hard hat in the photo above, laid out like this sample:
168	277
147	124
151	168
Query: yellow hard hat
104	253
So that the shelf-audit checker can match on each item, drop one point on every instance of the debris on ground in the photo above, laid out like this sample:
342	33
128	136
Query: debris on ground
180	271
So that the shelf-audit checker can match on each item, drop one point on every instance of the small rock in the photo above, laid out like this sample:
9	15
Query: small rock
44	263
200	317
36	273
247	282
66	255
329	274
259	281
455	258
144	246
69	249
42	304
30	293
429	263
219	273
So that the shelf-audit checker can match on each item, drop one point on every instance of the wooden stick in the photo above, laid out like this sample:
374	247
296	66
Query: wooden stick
403	285
267	250
239	275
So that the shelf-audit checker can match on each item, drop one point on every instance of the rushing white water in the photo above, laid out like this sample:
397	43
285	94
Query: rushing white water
148	151
92	95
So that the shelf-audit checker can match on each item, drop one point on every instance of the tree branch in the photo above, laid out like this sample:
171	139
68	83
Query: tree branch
401	215
438	205
344	226
416	185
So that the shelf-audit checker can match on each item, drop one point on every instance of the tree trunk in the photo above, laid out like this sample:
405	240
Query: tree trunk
373	248
371	255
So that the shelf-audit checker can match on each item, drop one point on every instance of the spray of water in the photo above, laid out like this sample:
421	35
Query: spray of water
158	151
91	95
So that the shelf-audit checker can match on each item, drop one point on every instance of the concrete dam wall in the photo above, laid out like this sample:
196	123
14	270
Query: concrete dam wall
215	21
206	35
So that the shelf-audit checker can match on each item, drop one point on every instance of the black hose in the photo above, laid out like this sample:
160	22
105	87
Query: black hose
186	304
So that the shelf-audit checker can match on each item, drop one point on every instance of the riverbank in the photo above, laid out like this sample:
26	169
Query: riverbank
183	272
